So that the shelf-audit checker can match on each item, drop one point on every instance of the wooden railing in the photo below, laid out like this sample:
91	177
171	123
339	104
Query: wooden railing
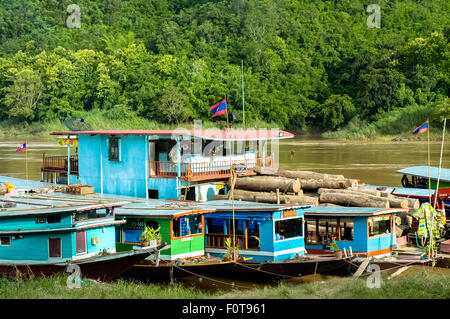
58	164
204	170
218	241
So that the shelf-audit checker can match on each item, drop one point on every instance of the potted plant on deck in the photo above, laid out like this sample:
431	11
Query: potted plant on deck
337	251
150	237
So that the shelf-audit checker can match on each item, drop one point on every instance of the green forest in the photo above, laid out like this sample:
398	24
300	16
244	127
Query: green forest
307	65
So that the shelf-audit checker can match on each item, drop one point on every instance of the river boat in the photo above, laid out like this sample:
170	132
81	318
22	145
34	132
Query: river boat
41	237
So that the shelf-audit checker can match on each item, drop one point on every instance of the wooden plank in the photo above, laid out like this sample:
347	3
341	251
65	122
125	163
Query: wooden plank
361	268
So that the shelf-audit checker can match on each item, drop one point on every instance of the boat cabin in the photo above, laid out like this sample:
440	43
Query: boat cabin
363	231
419	176
263	232
160	164
180	226
36	231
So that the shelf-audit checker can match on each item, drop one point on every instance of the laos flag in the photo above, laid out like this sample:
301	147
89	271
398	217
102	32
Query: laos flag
219	108
422	128
22	147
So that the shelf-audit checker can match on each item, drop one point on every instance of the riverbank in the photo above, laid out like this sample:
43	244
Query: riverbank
382	130
422	284
104	120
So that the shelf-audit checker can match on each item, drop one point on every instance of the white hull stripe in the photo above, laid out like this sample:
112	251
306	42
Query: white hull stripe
257	252
197	253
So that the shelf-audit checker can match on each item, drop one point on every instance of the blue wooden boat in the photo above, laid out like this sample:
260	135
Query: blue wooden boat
160	164
40	237
363	231
418	176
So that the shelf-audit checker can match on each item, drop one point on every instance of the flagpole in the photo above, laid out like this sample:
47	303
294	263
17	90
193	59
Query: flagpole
228	124
429	177
440	165
26	168
243	108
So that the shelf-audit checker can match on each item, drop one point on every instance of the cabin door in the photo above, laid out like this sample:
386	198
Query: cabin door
80	242
54	248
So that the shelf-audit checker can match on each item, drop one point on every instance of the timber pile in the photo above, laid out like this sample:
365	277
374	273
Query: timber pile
312	188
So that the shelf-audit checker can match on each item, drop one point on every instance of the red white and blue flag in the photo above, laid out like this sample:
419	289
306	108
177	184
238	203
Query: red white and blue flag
219	108
22	147
422	128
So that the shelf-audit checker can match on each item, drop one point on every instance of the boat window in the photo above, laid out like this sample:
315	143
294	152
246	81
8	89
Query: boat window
5	241
379	225
132	235
185	226
113	149
253	235
345	229
329	229
311	231
288	228
53	219
93	214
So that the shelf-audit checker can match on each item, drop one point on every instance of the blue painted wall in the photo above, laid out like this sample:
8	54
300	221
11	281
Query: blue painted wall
167	187
361	242
125	177
35	247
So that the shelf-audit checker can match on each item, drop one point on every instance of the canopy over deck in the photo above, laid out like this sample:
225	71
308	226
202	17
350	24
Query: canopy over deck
208	134
244	206
350	211
422	171
56	202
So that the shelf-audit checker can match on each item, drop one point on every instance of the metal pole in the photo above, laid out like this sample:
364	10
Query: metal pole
243	107
440	165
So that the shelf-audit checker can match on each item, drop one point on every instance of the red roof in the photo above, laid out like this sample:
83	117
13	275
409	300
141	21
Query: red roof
210	134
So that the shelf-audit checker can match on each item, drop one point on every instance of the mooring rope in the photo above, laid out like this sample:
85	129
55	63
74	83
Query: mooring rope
222	282
268	272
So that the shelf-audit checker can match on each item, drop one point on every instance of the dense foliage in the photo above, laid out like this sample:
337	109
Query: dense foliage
306	63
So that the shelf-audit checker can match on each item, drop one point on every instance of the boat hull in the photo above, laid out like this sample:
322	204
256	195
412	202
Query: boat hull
243	270
102	268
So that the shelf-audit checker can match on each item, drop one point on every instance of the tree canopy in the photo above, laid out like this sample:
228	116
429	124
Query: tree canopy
306	63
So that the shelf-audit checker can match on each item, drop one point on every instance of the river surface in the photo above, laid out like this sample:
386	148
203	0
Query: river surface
373	163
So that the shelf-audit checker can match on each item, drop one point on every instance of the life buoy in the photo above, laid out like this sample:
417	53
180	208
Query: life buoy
189	173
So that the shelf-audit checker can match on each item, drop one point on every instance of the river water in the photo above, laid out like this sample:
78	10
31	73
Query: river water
373	163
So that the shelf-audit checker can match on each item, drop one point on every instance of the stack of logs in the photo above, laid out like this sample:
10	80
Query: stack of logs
311	188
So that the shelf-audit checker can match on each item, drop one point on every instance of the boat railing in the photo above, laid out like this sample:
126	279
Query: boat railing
218	241
59	164
205	170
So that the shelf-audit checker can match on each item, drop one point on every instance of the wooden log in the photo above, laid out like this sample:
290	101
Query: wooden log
330	205
268	183
396	202
369	191
393	202
3	189
267	197
413	203
388	195
295	174
313	184
352	200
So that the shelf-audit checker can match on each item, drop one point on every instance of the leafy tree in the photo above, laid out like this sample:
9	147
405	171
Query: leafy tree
23	95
